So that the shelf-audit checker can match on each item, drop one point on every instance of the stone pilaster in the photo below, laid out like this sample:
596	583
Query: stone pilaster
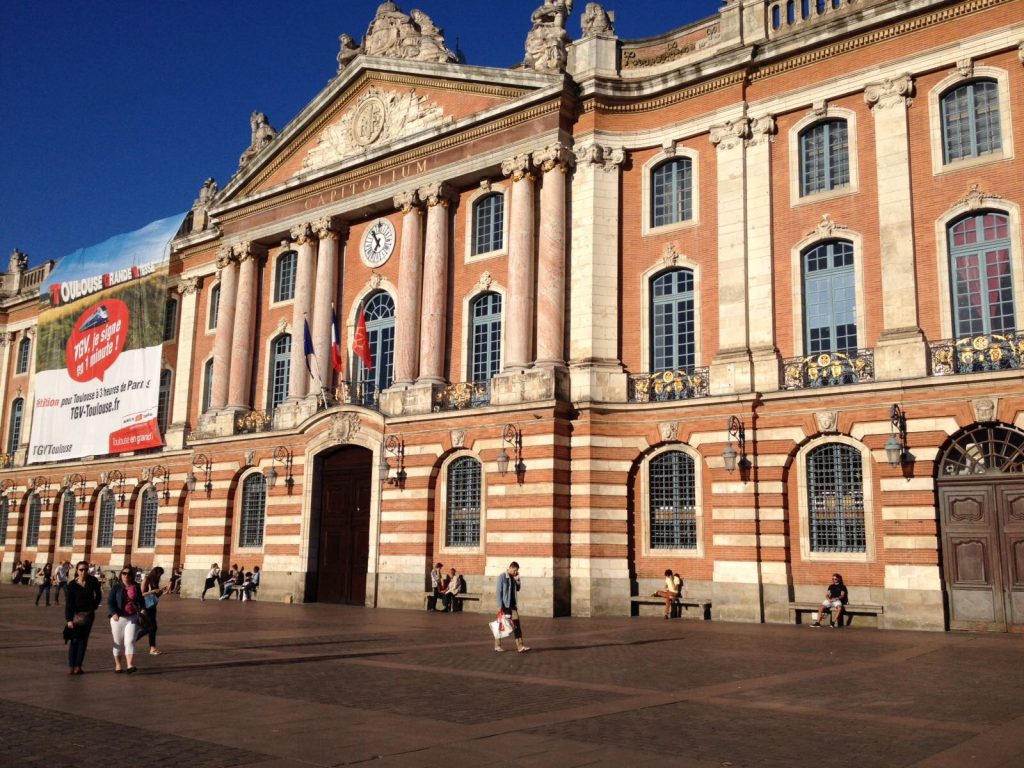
188	288
410	289
21	455
302	303
6	342
900	352
324	293
521	301
732	369
553	162
245	326
227	263
435	284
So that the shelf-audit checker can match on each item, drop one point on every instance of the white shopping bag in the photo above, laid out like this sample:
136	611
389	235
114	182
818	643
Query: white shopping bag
501	626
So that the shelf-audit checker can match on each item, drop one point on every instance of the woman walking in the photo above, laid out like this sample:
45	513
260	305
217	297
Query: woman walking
151	593
211	580
508	586
82	598
44	578
125	605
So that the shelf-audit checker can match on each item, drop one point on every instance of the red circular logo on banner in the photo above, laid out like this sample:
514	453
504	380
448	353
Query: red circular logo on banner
97	339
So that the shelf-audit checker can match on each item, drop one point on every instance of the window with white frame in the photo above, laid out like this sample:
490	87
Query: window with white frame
24	355
35	513
462	503
14	429
254	509
830	298
163	403
824	157
673	324
214	307
284	276
379	312
67	519
148	513
280	370
488	224
970	120
835	498
485	312
105	527
207	384
672	192
170	319
981	275
672	501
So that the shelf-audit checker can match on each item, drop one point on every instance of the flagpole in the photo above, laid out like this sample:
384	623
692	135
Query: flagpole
310	352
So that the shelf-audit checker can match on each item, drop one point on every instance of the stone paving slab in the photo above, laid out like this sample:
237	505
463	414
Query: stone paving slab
268	685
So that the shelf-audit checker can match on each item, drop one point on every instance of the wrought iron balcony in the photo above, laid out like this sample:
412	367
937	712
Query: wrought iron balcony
363	393
661	386
253	421
975	354
828	369
465	394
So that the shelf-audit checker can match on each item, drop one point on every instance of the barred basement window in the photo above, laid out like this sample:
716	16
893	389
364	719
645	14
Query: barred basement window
105	536
147	518
254	508
672	501
35	512
67	520
5	510
462	512
835	498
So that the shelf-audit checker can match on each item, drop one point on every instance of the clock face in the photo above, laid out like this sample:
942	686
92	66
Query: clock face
378	243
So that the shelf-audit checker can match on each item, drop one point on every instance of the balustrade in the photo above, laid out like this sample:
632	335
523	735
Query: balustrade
667	385
828	369
465	394
976	354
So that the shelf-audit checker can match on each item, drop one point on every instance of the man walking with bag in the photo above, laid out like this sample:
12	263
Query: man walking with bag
508	587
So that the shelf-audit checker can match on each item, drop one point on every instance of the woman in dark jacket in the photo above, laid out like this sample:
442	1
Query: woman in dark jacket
125	605
151	594
83	598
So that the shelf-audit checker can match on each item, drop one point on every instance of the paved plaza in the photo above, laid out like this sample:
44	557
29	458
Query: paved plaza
264	685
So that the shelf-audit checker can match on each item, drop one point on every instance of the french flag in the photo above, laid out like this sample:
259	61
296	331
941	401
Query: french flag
307	346
335	342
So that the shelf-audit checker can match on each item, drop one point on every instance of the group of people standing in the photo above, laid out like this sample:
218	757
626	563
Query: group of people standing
245	583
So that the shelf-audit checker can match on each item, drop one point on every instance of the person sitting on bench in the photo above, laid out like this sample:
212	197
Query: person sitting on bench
835	600
673	589
451	603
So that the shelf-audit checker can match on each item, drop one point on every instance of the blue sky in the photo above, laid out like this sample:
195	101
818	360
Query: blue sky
115	112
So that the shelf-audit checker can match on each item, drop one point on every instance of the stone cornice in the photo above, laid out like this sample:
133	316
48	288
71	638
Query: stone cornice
595	103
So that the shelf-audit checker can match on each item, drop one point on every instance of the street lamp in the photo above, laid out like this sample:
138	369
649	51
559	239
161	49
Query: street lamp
736	431
203	462
896	447
283	455
513	436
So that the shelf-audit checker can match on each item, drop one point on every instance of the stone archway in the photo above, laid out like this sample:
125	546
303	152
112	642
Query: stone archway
981	505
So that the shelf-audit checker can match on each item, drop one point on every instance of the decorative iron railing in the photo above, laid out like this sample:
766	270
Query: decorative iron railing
358	393
6	460
828	369
253	421
667	385
975	354
465	394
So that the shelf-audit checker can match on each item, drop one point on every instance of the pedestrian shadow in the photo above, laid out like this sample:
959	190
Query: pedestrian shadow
251	663
588	646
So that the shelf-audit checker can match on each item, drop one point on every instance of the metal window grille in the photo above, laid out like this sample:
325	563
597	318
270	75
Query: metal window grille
108	509
67	519
462	511
672	192
207	384
284	279
673	324
830	298
24	350
5	510
163	403
35	512
835	499
489	224
982	279
170	319
380	330
14	431
970	120
254	509
147	518
486	334
214	306
281	370
824	157
672	501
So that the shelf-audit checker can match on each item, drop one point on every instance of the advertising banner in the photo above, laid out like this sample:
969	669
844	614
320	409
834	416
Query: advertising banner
98	349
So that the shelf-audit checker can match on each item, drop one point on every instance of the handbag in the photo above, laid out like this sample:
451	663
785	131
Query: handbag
152	600
145	622
82	618
501	626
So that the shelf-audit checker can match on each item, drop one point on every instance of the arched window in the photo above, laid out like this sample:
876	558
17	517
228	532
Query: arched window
462	508
280	370
486	333
673	328
170	319
835	498
254	507
24	355
672	192
207	384
214	307
824	157
105	529
379	312
970	120
672	501
830	298
5	511
147	518
489	224
163	403
982	284
14	430
284	276
67	519
35	512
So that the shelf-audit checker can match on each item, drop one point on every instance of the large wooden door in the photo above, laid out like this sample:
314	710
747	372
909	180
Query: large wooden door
344	543
1011	539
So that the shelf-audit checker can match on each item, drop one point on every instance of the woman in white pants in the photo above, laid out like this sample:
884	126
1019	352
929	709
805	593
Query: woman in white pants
126	606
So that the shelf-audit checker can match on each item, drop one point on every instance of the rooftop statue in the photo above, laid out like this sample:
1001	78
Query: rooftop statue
546	41
395	35
206	193
348	51
262	134
18	262
596	21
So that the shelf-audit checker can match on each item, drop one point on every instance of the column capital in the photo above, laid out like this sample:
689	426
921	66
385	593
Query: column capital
301	234
603	156
553	156
762	131
224	256
893	91
246	249
436	193
730	133
407	201
6	339
324	229
518	167
187	285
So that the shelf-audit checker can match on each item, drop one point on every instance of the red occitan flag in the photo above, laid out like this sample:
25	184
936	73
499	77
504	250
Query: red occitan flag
361	342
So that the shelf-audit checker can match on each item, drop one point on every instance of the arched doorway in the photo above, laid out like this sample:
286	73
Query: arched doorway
981	503
343	543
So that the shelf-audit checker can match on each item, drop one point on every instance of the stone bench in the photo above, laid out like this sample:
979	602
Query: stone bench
849	610
704	606
456	603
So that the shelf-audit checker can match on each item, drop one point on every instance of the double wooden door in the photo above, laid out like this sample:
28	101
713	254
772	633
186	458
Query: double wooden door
344	543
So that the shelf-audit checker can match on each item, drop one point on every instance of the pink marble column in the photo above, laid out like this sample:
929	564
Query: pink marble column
410	287
324	292
435	284
298	381
521	301
554	162
245	320
227	263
